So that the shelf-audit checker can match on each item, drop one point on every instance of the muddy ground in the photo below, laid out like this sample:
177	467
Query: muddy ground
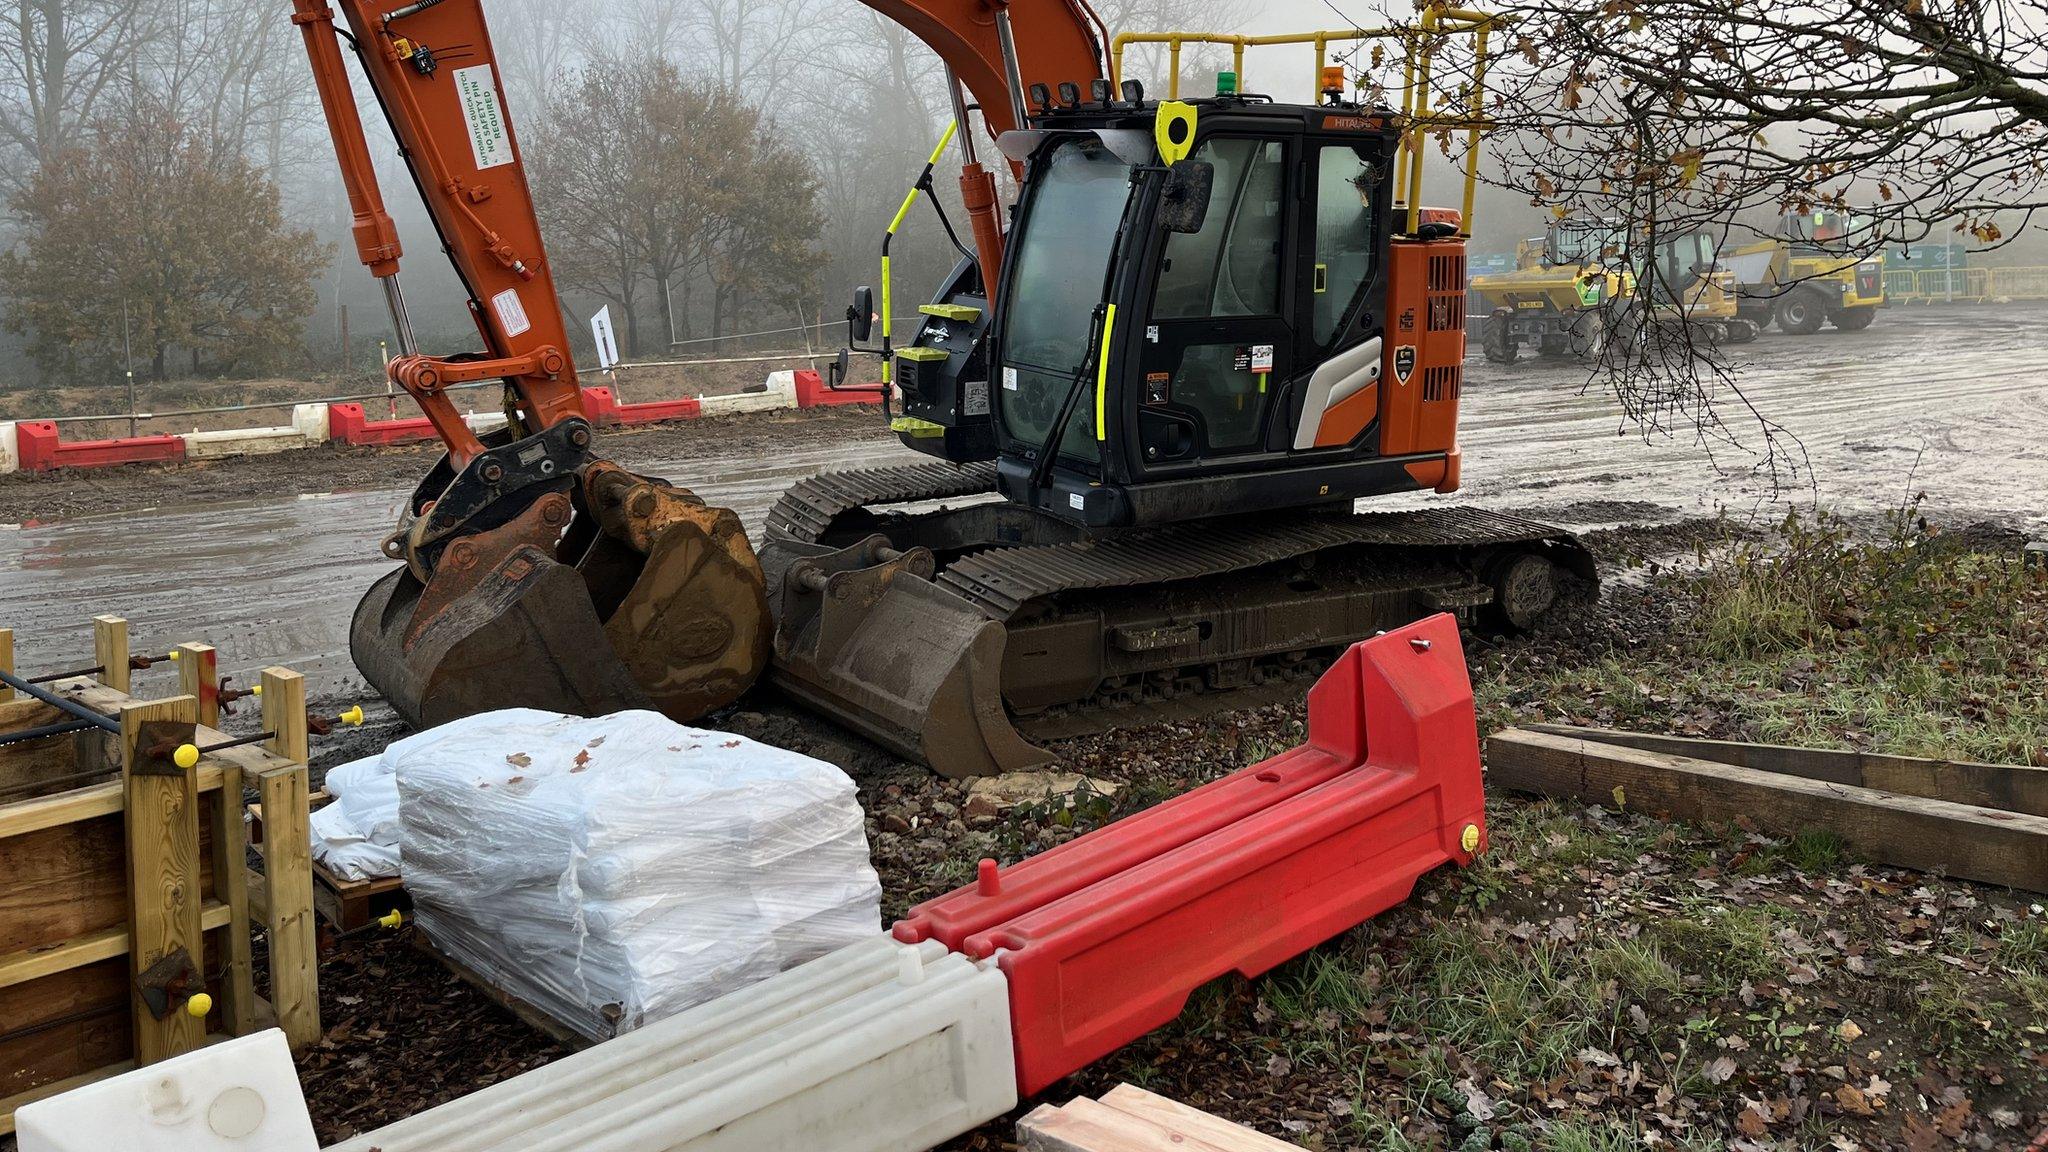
1600	982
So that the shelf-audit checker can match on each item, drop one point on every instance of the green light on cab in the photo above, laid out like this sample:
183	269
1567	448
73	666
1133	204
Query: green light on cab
1226	83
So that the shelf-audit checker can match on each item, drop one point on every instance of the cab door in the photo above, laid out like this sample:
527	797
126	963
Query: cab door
1218	341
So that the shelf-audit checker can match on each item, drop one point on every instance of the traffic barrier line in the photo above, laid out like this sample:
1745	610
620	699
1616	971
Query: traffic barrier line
40	448
876	1046
1104	938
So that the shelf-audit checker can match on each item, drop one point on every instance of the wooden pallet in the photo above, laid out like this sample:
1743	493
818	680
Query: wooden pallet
1129	1119
122	867
346	905
532	1016
1983	822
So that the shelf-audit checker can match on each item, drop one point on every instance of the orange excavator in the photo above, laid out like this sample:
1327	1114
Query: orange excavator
1153	396
535	571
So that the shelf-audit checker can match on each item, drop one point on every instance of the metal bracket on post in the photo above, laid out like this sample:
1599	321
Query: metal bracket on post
168	983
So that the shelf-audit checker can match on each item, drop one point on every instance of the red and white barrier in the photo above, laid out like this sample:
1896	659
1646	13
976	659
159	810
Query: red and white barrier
38	445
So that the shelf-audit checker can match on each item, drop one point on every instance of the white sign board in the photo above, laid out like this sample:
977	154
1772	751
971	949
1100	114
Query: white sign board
607	344
490	138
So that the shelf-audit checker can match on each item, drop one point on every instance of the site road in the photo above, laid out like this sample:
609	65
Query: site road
1950	401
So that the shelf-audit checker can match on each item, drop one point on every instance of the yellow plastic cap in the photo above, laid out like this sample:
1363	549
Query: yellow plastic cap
353	716
199	1005
391	919
187	756
1470	840
256	691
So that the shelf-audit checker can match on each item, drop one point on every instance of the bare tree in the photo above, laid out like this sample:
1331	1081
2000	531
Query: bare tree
58	59
1922	119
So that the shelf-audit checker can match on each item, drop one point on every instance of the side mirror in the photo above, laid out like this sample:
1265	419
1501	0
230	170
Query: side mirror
835	374
1185	202
860	315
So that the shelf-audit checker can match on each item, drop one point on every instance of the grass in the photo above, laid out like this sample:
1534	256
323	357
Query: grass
1903	642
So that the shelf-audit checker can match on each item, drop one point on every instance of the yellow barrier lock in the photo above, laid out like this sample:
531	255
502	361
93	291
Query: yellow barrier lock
187	755
1174	130
1469	841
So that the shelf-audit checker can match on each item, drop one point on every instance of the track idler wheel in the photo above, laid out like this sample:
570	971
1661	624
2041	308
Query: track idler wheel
618	601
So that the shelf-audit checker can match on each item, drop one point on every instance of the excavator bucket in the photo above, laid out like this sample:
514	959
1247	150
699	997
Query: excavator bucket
869	639
626	594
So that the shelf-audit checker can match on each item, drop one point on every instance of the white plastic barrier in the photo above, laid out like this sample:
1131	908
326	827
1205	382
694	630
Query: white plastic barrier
240	1095
311	421
879	1046
779	393
10	448
243	442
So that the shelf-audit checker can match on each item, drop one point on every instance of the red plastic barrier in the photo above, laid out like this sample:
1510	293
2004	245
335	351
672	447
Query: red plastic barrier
812	393
349	424
656	411
40	448
1103	938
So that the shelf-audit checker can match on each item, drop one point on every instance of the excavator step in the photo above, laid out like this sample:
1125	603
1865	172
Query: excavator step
1103	938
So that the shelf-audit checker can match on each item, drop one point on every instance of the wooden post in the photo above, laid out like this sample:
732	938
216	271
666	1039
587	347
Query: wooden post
199	678
231	887
288	861
284	713
6	662
110	651
163	876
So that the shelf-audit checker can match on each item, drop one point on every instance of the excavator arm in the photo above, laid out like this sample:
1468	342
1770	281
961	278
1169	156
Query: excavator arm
536	573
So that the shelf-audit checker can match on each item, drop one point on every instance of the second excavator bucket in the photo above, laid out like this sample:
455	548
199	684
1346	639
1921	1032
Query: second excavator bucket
867	637
620	593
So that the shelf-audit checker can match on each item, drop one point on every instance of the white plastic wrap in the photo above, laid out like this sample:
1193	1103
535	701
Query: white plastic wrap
618	869
356	835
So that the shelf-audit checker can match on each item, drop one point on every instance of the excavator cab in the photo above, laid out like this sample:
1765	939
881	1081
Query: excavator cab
1199	325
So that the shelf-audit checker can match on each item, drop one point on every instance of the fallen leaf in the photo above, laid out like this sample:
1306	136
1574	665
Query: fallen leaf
1848	1031
1719	1070
1752	1122
1851	1099
519	760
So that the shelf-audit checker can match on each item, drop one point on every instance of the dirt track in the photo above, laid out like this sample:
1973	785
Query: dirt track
1943	400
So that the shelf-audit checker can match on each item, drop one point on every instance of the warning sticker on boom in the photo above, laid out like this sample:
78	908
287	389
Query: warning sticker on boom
489	140
511	313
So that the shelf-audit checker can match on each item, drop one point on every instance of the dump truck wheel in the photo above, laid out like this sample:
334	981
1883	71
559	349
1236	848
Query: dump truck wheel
1800	313
1854	319
1498	341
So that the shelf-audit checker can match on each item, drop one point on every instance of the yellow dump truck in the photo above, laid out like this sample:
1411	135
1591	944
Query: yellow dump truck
1552	301
1810	274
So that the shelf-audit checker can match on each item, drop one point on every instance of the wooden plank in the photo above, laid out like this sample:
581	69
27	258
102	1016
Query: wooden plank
1085	1125
199	678
1983	844
2013	787
23	965
288	901
7	663
1178	1117
230	886
110	651
284	713
163	873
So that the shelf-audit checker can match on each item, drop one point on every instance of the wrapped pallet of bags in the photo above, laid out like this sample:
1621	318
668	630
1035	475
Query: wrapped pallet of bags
614	870
356	836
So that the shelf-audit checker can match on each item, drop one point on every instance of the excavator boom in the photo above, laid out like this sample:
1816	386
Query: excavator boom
535	572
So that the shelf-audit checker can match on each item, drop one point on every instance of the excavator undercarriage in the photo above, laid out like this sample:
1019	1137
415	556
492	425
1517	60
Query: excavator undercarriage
958	636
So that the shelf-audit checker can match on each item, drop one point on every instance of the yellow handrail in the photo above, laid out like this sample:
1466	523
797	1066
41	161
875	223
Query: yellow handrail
1416	113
